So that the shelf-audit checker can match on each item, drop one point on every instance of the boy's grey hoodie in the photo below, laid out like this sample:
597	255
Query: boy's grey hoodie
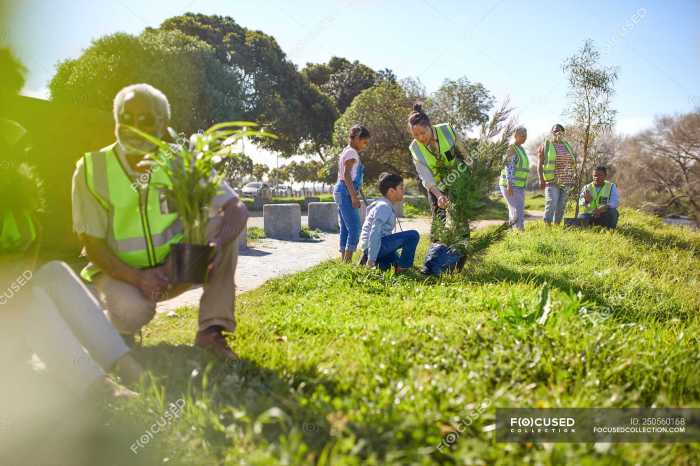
380	222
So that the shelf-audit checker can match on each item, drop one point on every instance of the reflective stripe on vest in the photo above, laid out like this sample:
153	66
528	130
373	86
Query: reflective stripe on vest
140	236
17	232
550	157
522	169
446	141
596	197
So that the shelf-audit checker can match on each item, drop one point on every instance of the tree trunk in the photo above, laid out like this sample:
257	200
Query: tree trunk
586	135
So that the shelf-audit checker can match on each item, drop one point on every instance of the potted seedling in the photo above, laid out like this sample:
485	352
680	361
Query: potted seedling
192	166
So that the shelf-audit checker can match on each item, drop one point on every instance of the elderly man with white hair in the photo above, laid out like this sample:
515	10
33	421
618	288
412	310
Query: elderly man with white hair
514	179
129	294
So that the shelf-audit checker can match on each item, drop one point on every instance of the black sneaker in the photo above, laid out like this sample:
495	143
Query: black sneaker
363	259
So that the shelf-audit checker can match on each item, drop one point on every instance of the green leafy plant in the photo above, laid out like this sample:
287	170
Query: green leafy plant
309	234
470	180
256	233
192	165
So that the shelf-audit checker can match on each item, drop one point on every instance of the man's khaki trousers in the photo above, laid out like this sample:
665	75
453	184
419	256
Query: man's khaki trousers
129	310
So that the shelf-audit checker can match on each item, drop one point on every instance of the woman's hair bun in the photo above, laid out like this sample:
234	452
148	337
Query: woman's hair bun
418	116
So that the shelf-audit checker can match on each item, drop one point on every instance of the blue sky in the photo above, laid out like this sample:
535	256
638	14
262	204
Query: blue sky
514	48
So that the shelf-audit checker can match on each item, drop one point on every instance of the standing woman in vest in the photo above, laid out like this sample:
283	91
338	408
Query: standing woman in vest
514	179
433	146
557	172
347	191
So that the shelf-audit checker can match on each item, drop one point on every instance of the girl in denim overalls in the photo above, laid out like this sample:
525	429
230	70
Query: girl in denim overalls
347	191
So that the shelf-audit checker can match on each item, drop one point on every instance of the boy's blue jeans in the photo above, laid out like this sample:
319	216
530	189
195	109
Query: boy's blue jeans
348	218
407	241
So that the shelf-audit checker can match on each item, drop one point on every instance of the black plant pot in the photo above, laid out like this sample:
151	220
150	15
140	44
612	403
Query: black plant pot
576	222
190	262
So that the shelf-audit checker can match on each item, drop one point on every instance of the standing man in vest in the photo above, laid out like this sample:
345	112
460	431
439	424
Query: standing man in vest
126	228
599	200
557	172
433	146
514	179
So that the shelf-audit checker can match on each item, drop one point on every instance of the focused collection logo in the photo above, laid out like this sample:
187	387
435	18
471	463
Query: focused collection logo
542	424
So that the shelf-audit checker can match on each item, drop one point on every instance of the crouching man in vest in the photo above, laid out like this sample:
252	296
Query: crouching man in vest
127	228
599	200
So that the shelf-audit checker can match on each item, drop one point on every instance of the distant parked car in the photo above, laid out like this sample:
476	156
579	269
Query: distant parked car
282	190
254	188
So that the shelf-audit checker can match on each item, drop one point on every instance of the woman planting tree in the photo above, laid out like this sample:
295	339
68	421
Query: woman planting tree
469	184
436	150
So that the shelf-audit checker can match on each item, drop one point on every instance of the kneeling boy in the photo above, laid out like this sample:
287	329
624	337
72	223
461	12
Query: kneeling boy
380	246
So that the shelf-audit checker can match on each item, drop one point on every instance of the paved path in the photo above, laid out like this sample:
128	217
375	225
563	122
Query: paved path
270	258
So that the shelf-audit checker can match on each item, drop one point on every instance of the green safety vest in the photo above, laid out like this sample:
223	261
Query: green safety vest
446	140
550	157
598	197
522	169
17	232
141	228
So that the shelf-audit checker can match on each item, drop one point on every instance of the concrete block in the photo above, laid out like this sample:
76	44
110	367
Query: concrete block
323	216
282	221
309	199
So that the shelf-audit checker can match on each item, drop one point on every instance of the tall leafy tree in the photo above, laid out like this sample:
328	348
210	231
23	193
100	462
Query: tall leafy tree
274	93
13	138
415	89
662	166
460	103
343	80
12	73
201	90
280	174
259	171
383	109
306	171
236	166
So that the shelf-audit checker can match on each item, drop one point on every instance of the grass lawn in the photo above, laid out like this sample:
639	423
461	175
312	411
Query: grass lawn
534	201
349	366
